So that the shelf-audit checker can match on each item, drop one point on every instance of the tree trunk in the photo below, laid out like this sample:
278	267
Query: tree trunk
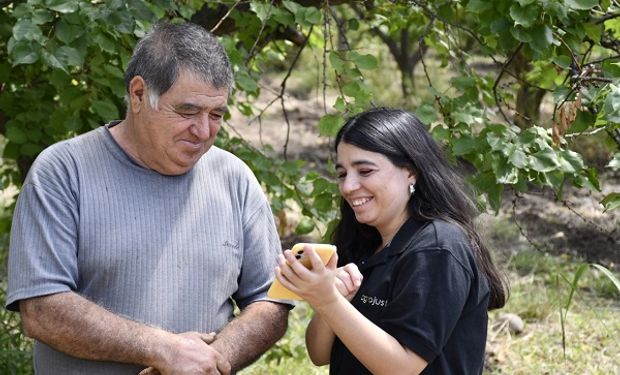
529	97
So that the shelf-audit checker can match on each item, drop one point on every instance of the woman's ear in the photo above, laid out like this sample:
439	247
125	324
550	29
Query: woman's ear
412	176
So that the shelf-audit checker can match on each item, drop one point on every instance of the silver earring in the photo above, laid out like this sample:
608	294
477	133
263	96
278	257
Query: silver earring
411	189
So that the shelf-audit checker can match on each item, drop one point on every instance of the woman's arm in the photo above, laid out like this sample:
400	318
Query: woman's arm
370	344
319	341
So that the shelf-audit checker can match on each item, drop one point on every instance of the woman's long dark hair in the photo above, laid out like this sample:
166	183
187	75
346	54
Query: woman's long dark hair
440	192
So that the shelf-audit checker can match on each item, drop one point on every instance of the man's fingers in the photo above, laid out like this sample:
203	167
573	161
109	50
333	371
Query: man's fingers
207	337
223	366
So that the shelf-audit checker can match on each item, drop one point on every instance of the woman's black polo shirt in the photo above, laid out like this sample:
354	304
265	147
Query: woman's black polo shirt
426	291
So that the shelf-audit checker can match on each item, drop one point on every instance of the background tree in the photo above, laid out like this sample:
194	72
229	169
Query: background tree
508	86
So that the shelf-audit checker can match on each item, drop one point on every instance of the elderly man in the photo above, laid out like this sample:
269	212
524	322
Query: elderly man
131	242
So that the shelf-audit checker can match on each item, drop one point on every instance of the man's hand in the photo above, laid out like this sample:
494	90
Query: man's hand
192	354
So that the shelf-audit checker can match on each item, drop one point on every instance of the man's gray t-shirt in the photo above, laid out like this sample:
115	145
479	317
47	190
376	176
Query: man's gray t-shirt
169	251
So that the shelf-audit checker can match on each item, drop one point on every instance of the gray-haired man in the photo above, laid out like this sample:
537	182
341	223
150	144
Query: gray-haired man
130	242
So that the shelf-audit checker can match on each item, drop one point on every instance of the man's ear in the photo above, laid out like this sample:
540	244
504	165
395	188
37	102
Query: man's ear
137	94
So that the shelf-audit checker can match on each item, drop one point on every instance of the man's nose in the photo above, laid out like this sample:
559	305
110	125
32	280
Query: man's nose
202	127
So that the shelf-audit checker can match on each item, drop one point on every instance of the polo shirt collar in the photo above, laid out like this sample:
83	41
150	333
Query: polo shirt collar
399	243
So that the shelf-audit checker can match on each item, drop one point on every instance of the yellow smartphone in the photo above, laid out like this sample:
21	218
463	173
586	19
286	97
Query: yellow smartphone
325	252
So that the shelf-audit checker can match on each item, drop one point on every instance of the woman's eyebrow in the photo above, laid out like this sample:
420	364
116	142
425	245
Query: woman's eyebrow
357	163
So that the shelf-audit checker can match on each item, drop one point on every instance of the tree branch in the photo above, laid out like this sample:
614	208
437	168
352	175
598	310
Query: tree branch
498	79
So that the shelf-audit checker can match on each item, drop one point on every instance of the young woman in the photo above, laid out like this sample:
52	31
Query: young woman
407	231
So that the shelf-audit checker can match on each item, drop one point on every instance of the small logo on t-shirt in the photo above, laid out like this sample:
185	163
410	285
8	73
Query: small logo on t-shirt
234	244
373	301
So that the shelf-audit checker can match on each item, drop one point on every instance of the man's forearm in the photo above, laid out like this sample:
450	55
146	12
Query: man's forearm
73	325
252	333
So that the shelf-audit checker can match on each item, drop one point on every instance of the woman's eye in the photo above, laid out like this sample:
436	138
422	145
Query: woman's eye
365	172
341	175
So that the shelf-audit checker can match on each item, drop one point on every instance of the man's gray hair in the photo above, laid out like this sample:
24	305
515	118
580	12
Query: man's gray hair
168	49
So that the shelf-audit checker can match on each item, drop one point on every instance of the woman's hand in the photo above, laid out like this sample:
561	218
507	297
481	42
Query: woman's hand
348	280
316	285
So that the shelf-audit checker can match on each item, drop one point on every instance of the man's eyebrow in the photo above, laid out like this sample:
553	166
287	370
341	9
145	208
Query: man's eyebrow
187	106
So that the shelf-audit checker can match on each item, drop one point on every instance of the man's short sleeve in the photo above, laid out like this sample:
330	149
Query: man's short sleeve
42	250
429	292
261	249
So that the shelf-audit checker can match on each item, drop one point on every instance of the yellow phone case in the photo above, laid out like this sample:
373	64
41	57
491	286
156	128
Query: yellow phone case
325	252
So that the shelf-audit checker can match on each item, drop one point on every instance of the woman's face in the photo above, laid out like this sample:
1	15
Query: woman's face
376	189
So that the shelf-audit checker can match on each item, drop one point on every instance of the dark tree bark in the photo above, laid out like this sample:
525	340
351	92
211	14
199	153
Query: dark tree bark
529	97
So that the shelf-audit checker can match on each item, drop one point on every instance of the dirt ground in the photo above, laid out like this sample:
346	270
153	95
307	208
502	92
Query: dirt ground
576	224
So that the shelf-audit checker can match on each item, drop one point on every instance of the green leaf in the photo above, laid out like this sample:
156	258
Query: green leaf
15	134
583	121
611	69
351	89
519	159
67	33
140	11
260	9
477	6
122	21
245	82
330	124
463	146
25	29
612	105
104	43
563	61
544	161
336	62
41	16
25	53
313	16
62	6
30	149
426	113
571	161
611	201
542	38
440	133
5	70
525	16
609	275
614	163
69	56
506	173
105	109
323	202
305	226
581	4
53	62
367	62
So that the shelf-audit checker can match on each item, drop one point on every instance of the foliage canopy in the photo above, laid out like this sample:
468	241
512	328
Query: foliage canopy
62	62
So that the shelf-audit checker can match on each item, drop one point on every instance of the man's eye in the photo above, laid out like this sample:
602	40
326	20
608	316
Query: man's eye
216	116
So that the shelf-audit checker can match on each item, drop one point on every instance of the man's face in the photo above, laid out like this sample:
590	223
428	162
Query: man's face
172	137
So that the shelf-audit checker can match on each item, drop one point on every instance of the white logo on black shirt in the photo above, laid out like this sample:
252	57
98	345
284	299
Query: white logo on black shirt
373	301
